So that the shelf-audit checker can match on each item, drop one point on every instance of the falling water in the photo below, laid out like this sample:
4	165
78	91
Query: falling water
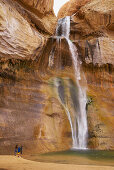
63	27
79	124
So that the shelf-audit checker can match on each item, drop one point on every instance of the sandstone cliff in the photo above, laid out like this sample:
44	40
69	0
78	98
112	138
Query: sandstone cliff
71	7
32	63
92	26
30	114
24	27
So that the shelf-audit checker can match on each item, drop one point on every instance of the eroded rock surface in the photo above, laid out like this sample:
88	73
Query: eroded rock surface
71	7
41	13
32	107
20	36
31	113
92	27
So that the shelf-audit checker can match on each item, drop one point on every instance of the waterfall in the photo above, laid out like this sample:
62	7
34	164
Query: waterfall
79	126
63	27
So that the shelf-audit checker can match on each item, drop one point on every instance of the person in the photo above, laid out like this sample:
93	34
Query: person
16	149
19	149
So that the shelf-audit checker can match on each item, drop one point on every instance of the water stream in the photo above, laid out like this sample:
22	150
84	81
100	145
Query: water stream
79	122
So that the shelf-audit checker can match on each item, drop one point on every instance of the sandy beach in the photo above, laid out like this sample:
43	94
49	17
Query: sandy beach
15	163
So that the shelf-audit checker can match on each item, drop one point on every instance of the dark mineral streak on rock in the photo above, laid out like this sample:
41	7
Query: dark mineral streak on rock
31	113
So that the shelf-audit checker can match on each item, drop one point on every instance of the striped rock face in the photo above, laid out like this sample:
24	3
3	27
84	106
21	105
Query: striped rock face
37	78
23	32
92	27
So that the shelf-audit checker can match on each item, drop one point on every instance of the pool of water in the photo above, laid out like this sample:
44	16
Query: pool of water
78	157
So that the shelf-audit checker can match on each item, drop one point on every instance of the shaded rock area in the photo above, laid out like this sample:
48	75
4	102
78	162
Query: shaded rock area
100	111
40	13
31	112
37	80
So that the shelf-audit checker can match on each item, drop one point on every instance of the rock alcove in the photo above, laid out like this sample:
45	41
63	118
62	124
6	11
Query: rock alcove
30	110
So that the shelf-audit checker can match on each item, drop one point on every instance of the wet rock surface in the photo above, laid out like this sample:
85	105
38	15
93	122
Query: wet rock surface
31	62
92	32
30	112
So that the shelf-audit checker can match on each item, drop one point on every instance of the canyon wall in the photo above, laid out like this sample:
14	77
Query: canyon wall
33	65
24	32
92	26
30	112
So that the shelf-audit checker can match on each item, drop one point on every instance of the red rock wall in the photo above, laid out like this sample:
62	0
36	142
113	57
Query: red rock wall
31	113
91	31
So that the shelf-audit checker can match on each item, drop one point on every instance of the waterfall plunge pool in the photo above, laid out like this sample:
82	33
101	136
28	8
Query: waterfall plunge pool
78	157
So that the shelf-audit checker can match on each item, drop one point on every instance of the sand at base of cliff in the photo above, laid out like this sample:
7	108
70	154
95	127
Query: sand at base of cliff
15	163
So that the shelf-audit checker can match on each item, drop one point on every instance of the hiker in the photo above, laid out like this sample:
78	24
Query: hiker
16	150
19	149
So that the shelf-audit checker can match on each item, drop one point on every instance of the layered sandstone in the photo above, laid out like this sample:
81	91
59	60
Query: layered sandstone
23	32
41	13
37	80
31	113
92	27
71	7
